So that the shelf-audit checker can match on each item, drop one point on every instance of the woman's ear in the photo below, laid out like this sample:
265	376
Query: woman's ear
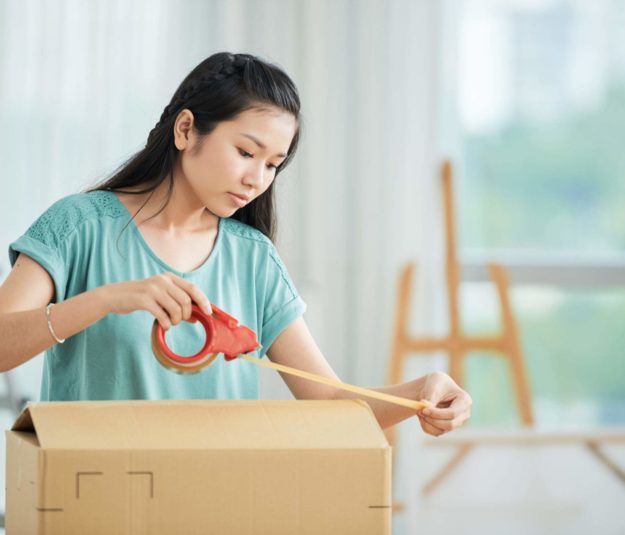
183	128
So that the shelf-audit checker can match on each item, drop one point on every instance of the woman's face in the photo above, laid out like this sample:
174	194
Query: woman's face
237	161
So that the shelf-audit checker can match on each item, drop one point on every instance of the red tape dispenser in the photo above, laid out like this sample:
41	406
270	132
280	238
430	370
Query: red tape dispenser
224	334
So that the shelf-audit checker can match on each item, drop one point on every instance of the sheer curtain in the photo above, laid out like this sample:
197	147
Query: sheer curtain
83	83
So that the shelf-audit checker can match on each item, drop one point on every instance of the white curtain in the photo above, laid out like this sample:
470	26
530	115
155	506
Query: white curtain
82	83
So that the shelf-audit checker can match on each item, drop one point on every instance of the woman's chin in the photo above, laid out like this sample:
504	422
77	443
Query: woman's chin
223	211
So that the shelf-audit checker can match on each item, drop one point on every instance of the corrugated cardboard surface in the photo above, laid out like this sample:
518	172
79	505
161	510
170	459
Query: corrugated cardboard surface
198	467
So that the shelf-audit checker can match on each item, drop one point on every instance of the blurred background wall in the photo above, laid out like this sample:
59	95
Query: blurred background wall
527	98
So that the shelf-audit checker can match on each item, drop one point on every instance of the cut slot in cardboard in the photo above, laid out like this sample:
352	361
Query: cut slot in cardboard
198	467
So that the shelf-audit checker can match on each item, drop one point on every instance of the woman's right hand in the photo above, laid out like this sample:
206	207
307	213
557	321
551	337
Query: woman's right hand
166	296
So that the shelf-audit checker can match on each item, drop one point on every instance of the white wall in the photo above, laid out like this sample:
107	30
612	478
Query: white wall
83	83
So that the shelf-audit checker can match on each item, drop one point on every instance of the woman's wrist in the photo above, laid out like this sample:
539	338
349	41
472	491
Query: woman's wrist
101	301
50	327
415	388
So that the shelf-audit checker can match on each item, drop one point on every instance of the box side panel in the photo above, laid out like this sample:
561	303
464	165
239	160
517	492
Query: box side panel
214	491
21	484
90	491
346	492
265	491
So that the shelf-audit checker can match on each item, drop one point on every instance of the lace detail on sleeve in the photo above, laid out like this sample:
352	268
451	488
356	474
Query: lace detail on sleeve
55	225
245	231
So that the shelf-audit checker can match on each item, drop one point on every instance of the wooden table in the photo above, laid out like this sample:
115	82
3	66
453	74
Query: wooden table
466	440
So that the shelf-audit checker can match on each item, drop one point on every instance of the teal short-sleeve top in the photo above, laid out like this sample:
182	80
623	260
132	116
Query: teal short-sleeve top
88	240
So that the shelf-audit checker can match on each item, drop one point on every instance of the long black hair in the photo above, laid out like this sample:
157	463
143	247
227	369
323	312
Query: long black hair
218	89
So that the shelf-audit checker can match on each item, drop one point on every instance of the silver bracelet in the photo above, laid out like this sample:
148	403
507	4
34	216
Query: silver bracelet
50	325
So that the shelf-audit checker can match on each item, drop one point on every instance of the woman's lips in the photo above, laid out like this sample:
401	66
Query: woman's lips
239	201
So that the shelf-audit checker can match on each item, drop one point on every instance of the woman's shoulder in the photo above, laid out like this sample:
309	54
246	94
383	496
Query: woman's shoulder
242	231
90	204
251	240
87	205
68	214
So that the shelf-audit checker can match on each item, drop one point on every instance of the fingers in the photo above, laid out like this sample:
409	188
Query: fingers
452	411
446	425
174	296
183	301
159	313
172	308
195	293
459	404
429	428
440	414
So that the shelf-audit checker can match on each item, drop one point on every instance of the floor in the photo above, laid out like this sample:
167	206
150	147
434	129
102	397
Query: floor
512	490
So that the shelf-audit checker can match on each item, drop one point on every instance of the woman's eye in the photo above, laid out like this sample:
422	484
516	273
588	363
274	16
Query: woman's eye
246	154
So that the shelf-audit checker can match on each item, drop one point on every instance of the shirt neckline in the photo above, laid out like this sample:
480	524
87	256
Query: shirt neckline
204	265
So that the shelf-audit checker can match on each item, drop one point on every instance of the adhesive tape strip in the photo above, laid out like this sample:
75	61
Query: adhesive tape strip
411	404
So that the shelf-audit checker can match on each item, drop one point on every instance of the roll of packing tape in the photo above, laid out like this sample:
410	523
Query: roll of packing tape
193	364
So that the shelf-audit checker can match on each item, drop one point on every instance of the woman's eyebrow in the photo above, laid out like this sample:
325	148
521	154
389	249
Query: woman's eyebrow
260	143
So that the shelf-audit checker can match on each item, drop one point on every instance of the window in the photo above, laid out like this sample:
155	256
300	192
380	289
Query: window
541	110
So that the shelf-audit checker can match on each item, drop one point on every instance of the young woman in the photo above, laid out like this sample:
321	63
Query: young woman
190	218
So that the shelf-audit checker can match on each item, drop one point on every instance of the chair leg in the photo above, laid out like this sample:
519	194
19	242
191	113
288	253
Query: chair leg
512	345
604	459
438	478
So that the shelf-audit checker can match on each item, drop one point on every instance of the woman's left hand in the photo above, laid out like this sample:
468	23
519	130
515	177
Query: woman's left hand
450	406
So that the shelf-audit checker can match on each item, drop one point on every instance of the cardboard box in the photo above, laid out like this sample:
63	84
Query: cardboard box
198	467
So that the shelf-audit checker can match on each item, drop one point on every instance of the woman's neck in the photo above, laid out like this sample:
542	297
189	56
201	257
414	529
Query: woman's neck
182	213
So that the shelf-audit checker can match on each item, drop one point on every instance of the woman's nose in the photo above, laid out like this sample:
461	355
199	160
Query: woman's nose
255	176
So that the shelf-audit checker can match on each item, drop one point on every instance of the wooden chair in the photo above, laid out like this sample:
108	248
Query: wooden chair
457	344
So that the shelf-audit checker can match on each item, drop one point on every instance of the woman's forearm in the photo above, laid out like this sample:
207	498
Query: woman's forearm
389	414
25	334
